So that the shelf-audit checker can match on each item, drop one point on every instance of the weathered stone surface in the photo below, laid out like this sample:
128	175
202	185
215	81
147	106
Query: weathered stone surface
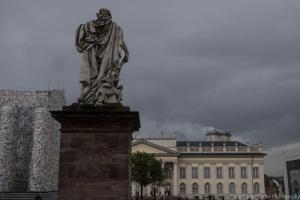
8	144
29	140
95	152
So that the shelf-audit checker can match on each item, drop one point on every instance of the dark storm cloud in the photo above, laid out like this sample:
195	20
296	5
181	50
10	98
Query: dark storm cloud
193	65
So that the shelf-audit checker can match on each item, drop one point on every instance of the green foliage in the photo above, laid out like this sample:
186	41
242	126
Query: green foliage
146	169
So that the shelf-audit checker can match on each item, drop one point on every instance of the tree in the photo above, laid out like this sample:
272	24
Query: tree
146	169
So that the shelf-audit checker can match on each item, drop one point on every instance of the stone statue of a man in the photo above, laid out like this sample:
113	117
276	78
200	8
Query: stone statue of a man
100	43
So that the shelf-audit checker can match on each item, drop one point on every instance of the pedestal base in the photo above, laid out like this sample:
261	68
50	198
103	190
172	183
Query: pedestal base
95	152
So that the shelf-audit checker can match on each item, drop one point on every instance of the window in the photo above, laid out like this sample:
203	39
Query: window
231	172
219	188
182	172
207	188
255	172
219	172
168	172
231	188
195	188
243	172
182	188
206	172
244	188
256	188
194	172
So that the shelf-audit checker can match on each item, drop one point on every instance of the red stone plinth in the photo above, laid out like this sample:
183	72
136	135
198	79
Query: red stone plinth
95	152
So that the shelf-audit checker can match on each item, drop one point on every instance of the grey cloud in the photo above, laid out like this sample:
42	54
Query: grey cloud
183	130
193	65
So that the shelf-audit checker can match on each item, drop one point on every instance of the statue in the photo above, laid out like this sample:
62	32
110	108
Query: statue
100	43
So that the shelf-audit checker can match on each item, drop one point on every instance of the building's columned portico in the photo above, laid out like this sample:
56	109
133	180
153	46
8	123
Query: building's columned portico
217	166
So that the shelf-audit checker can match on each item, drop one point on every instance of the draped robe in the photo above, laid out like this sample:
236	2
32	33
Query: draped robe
100	61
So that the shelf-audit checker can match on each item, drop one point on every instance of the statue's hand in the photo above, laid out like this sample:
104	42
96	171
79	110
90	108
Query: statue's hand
92	39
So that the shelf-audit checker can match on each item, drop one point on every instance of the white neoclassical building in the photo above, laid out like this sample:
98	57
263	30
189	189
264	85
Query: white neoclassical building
217	166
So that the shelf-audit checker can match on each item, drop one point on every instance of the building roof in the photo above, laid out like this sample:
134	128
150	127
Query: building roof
209	143
203	144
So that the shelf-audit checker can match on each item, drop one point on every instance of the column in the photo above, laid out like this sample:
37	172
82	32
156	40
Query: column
213	178
162	190
261	173
133	189
227	180
148	191
250	177
175	186
201	178
225	177
188	168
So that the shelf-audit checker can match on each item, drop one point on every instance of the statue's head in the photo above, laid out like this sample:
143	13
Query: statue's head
103	17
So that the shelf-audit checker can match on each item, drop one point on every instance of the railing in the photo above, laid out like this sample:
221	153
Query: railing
206	149
194	149
243	149
182	149
218	149
230	149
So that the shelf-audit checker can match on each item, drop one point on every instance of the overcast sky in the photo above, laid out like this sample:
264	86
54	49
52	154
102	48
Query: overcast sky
194	65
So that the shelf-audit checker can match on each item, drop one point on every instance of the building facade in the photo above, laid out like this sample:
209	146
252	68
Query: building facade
292	172
217	166
29	141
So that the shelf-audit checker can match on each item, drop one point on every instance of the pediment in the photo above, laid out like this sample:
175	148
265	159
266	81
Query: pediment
149	147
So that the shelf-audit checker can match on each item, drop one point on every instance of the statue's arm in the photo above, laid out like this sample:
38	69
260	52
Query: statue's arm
123	46
125	49
79	38
83	38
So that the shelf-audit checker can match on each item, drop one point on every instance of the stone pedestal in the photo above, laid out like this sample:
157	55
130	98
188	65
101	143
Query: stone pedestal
95	152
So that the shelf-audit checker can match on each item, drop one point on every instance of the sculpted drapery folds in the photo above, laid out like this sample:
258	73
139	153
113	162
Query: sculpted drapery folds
100	43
